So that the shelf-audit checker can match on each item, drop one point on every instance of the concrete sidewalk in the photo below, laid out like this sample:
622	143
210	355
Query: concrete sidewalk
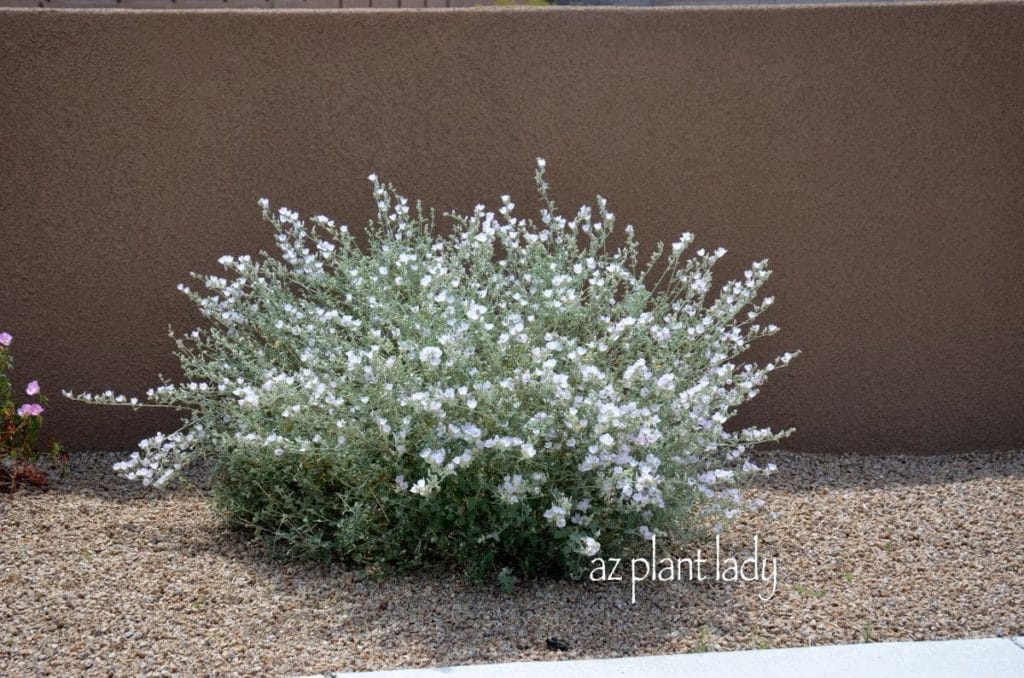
989	657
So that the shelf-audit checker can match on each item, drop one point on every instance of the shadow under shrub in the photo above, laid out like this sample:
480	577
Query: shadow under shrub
309	508
512	397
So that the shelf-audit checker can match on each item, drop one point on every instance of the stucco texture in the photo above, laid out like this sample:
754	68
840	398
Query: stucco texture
875	154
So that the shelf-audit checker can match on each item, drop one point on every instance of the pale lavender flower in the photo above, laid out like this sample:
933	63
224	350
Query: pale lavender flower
5	339
32	388
30	410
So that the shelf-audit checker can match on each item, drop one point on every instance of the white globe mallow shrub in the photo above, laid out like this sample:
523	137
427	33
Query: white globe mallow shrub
503	394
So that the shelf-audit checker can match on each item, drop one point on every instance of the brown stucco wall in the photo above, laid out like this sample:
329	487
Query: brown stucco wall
874	153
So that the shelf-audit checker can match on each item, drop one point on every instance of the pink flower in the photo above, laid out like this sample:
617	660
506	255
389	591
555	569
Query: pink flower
30	410
5	339
32	388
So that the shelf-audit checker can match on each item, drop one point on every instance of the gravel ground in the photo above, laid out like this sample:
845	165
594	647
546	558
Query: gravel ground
101	577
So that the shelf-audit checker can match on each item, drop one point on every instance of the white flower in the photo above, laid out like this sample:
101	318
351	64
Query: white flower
556	515
434	457
421	488
475	311
589	546
430	355
510	489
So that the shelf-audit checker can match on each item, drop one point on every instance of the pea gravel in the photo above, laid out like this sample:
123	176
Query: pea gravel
101	577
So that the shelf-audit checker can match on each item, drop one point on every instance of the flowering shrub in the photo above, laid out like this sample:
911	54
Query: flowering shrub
509	396
19	427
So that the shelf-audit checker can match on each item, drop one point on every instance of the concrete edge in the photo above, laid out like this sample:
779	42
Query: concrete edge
992	657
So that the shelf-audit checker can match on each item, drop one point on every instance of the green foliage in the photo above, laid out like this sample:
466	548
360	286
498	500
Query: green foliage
506	580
